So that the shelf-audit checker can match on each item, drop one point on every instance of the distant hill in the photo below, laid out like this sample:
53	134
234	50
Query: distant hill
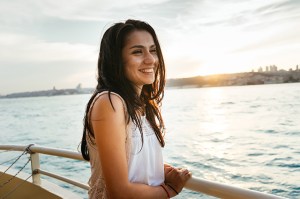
237	79
53	92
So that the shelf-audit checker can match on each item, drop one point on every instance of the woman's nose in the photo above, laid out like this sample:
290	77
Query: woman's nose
150	58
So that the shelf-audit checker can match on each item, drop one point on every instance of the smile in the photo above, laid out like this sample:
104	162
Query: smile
147	70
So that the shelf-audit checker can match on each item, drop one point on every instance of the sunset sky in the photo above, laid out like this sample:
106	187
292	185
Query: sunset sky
46	43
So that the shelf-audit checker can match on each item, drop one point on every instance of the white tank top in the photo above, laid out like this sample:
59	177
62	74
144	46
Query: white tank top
145	165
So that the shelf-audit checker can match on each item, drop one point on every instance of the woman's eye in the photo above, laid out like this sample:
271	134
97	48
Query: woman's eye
137	52
153	51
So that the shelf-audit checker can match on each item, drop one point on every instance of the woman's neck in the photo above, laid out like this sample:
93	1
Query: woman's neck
138	90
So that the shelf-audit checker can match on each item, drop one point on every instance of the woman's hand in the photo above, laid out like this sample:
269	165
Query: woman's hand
175	179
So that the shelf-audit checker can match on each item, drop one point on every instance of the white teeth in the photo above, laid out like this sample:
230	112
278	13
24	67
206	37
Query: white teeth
147	70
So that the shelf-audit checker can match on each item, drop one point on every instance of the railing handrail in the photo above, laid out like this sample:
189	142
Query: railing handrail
220	190
67	180
45	150
196	184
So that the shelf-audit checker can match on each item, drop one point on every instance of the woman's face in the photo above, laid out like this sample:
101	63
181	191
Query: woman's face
139	58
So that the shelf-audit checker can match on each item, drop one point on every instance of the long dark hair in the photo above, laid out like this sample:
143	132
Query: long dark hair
111	78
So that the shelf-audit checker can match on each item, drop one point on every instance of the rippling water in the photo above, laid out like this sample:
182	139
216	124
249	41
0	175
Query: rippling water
245	136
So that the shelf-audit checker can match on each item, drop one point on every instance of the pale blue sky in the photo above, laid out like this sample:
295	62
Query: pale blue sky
46	43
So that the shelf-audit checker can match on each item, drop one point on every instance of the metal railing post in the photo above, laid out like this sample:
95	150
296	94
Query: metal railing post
35	166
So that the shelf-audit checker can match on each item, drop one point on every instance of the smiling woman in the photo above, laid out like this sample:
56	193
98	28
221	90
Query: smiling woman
140	59
123	127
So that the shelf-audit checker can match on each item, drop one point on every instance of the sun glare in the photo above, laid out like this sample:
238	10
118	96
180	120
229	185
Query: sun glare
225	63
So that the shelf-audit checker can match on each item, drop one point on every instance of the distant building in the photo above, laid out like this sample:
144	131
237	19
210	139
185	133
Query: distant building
267	68
78	87
260	70
297	68
273	68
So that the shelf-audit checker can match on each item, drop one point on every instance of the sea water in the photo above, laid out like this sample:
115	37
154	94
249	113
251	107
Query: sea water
246	136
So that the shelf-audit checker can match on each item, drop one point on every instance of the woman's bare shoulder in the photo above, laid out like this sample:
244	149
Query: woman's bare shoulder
106	105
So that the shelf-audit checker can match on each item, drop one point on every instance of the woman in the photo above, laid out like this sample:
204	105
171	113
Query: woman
123	126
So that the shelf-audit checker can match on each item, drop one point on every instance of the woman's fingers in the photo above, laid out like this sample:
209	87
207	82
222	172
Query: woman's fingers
168	169
185	171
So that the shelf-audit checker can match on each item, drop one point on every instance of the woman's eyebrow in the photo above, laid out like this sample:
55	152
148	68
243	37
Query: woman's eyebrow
141	46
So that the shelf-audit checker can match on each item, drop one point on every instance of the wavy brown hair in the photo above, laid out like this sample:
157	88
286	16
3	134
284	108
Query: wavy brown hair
111	78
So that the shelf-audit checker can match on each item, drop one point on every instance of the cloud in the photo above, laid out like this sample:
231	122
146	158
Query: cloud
16	12
77	10
273	39
30	49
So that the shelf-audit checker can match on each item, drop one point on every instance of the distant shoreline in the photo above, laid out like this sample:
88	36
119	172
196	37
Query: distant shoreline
237	79
49	93
234	79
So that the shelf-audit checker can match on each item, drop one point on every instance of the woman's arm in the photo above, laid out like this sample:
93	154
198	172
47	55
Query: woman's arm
109	127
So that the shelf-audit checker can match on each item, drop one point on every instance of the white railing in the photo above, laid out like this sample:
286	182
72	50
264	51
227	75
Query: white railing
196	184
